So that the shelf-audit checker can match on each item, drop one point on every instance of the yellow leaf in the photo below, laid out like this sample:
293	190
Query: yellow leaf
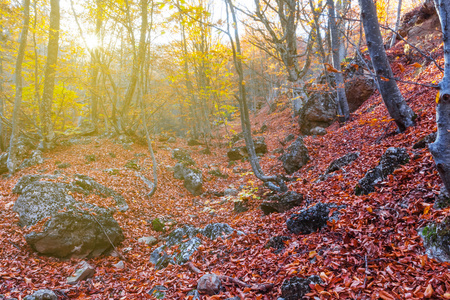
369	209
426	209
447	296
312	254
438	96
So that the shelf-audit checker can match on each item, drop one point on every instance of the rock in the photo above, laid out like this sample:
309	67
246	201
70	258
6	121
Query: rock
83	272
182	155
240	206
359	86
73	229
318	131
193	179
277	242
296	288
391	160
345	160
186	249
133	164
235	153
42	295
195	295
436	239
320	110
171	140
3	166
428	139
217	173
158	292
296	156
230	192
443	199
63	165
148	240
309	220
209	284
160	258
179	234
260	145
263	128
234	298
281	202
158	225
289	138
35	159
120	265
215	230
194	142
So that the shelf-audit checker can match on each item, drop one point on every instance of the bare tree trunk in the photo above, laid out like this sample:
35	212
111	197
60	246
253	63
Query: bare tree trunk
12	161
398	109
335	46
397	24
49	76
95	61
441	147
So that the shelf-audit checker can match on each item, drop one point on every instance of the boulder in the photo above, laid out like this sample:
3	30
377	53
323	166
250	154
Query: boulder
215	230
35	159
186	249
296	288
148	240
72	228
240	206
320	110
342	161
423	142
318	131
158	292
182	155
359	85
277	242
43	294
193	179
209	284
260	145
436	239
295	157
193	142
3	166
235	153
390	160
443	199
309	220
83	272
281	202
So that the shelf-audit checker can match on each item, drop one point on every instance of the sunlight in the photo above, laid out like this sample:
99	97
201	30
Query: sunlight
92	41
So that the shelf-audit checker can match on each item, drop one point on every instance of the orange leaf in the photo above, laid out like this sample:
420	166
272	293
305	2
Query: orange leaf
417	65
438	95
331	69
384	78
429	291
385	295
369	209
355	66
401	67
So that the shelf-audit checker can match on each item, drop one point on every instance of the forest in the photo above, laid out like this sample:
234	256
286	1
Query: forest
201	150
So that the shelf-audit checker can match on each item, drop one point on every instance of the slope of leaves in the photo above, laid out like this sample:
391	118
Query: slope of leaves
372	252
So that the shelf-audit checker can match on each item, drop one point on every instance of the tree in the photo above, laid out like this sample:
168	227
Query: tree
441	147
12	157
48	134
397	24
398	109
335	46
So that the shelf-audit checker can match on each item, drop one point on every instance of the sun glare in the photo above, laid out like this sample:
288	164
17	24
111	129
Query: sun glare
91	41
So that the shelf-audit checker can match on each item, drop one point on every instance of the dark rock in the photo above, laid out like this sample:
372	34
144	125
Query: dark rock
178	171
215	230
296	156
320	110
160	258
157	225
281	202
193	179
260	145
422	143
240	206
345	160
358	85
263	128
182	155
133	164
391	160
318	131
296	288
436	239
35	159
217	173
42	295
63	165
235	153
309	220
186	249
238	136
209	284
158	292
194	142
195	295
277	242
180	234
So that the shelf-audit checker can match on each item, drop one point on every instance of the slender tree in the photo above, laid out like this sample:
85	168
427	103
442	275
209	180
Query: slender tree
441	147
49	76
335	46
397	24
12	161
398	109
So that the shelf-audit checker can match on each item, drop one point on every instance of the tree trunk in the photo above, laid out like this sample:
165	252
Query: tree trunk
441	147
397	24
12	161
335	46
397	107
95	61
49	76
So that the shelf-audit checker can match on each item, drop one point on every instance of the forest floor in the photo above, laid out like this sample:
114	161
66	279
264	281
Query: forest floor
372	252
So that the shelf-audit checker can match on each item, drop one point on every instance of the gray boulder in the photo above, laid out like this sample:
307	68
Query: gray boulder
320	110
281	202
35	159
295	157
343	161
391	160
193	179
42	295
423	142
309	220
209	284
296	288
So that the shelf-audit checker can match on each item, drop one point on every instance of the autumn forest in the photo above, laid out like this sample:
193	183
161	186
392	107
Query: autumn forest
200	149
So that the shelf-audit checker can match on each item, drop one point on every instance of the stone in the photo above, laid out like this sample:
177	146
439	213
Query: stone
296	288
230	192
182	155
3	166
345	160
281	202
195	295
133	164
84	271
277	242
295	157
390	160
359	86
240	206
63	165
289	138
209	284
160	258
215	230
43	294
260	145
148	240
193	179
309	220
443	199
158	225
217	173
194	142
120	265
158	292
318	131
235	153
423	142
320	110
436	239
186	249
35	159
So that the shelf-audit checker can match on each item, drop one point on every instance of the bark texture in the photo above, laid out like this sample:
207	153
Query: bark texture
398	109
441	147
